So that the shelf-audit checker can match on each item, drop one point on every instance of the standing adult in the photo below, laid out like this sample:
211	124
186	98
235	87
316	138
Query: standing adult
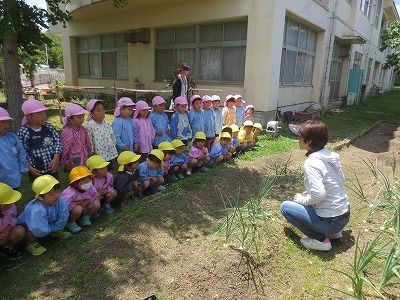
180	85
323	210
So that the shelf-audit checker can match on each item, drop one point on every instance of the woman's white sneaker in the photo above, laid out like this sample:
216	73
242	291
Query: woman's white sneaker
335	236
313	244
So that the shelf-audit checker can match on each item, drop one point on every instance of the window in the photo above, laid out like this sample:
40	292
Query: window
216	52
298	52
357	60
104	56
365	6
377	12
369	70
339	51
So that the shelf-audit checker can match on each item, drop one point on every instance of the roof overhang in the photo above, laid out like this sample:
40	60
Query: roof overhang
351	39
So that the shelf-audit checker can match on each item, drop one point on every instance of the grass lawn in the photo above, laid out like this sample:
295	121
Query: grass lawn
170	245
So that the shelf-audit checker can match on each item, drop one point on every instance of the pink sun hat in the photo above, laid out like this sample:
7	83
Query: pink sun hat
124	101
89	107
194	97
179	100
228	98
141	104
4	115
215	98
73	110
206	98
30	107
157	100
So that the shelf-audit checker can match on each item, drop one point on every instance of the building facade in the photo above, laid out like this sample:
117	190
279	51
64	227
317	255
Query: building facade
280	55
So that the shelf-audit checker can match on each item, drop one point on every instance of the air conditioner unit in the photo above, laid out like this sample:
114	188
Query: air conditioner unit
139	36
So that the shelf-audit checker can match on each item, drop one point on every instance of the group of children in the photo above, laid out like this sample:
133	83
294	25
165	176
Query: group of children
147	147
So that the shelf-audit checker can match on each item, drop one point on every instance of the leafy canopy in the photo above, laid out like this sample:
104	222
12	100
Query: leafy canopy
390	38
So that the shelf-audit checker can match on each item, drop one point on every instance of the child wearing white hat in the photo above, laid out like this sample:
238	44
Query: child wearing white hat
74	138
123	126
12	153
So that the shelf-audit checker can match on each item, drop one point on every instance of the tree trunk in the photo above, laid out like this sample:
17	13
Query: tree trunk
13	86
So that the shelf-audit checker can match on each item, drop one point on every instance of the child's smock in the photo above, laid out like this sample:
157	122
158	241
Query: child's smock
235	142
76	146
145	133
44	219
71	195
180	126
102	139
40	145
216	151
180	159
13	160
9	218
228	116
145	172
123	182
196	120
244	137
160	123
195	153
125	133
209	122
101	183
240	115
218	120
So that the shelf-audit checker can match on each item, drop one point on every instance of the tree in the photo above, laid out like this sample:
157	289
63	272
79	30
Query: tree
54	51
20	27
390	38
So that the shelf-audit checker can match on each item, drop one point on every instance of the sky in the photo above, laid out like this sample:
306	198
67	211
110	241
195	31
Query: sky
42	3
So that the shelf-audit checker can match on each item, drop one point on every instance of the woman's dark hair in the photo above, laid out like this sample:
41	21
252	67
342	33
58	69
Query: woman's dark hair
154	158
316	132
184	67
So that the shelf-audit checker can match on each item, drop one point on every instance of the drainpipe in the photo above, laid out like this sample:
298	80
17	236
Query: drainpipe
325	82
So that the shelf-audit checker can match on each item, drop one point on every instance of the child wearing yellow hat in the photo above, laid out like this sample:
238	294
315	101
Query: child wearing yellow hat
168	149
179	161
10	232
44	215
235	145
82	198
257	129
246	136
126	182
220	151
103	181
198	154
151	172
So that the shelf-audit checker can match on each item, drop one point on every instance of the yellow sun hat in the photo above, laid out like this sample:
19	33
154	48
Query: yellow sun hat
225	135
96	162
235	128
79	172
200	135
165	146
177	143
126	157
258	125
44	184
8	195
157	153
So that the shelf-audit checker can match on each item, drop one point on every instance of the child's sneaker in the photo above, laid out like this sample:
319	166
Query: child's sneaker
73	227
85	220
35	248
180	176
189	172
174	177
107	208
204	169
10	252
62	234
313	244
161	188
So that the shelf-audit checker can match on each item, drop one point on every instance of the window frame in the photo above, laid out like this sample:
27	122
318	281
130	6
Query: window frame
198	45
365	7
97	70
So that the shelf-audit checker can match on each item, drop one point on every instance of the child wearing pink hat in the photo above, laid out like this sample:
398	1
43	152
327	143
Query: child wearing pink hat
12	153
196	115
180	126
74	138
160	121
101	134
40	140
144	128
249	111
240	112
216	100
209	120
229	112
124	127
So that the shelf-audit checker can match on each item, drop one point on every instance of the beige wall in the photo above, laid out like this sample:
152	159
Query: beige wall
264	41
